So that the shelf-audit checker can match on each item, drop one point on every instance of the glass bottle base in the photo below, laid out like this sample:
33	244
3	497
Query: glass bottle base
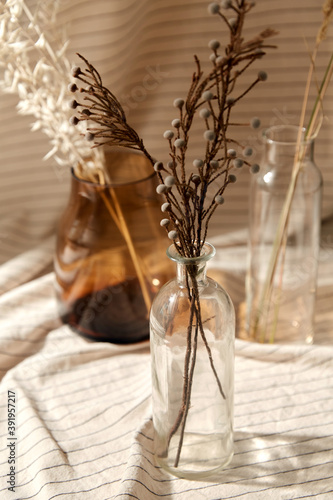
200	457
194	475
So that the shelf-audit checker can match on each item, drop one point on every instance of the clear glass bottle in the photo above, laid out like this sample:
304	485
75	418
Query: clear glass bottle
281	285
192	370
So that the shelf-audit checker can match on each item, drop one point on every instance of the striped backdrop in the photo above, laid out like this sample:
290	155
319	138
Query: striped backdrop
144	50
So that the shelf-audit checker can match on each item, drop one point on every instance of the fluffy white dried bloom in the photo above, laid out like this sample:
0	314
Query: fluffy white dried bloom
165	222
168	134
170	181
179	143
255	168
209	135
172	235
33	65
158	166
219	200
205	113
165	207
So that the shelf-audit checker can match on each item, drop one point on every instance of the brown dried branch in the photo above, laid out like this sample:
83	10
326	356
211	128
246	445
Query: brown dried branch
210	98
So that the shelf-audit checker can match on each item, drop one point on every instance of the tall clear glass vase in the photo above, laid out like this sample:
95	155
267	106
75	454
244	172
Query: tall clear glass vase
282	267
192	328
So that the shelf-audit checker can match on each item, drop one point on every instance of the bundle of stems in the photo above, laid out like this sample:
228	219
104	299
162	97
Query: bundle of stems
211	99
113	206
304	135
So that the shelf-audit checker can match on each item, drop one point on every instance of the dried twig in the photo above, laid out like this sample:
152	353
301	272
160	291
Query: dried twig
211	98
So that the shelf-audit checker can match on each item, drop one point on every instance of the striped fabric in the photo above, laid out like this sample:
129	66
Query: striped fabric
83	409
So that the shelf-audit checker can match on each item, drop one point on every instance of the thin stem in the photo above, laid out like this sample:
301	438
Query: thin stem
190	360
277	245
188	399
277	301
186	371
319	99
131	248
209	352
119	219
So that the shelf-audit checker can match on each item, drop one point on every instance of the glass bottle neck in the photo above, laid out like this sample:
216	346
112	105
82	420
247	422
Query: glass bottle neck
283	143
186	273
277	153
191	268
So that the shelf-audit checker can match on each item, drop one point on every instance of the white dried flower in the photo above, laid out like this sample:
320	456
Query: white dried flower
158	166
89	137
32	51
207	95
262	75
219	199
213	8
165	222
198	163
170	181
168	134
162	189
254	168
172	235
255	122
76	71
226	4
178	103
214	44
248	151
196	179
179	143
176	123
209	135
165	207
232	153
220	60
73	120
238	162
205	113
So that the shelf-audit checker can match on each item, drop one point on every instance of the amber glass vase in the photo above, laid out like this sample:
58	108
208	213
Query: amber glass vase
110	257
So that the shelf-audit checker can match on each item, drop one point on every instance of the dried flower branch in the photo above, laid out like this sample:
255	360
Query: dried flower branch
34	66
103	109
211	98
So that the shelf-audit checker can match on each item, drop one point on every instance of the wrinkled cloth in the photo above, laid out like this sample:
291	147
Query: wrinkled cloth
83	409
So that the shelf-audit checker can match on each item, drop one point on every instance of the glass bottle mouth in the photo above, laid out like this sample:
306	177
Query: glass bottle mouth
207	253
285	135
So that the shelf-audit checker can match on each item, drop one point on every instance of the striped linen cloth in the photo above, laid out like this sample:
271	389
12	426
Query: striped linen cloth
83	409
